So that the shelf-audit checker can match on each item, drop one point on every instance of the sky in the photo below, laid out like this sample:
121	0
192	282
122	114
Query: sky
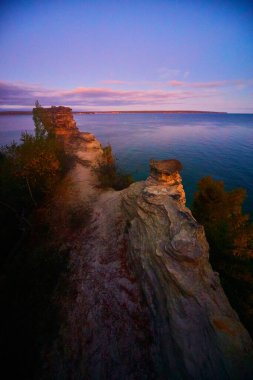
127	55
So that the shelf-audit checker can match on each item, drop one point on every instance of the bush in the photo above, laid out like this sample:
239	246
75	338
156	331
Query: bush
227	229
109	175
32	267
230	236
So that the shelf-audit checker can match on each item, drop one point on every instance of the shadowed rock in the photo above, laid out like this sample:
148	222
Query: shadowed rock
165	177
165	166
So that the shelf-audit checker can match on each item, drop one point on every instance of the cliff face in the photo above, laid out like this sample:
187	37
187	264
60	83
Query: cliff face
59	119
198	333
142	300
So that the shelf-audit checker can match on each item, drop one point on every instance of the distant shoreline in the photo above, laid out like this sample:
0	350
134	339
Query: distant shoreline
9	113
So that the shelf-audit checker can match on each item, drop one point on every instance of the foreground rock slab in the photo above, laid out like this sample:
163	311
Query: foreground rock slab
198	333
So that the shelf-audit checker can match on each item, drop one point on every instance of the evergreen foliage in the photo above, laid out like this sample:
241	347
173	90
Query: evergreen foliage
108	173
230	235
228	230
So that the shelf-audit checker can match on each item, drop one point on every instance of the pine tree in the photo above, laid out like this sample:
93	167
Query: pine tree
40	130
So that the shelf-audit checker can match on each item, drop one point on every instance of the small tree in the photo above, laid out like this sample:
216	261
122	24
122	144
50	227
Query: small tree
40	130
43	123
108	173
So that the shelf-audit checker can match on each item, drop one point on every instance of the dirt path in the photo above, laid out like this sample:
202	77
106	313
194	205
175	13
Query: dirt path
106	333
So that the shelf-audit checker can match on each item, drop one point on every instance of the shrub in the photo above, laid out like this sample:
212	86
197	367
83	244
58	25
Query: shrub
32	266
230	236
109	175
228	230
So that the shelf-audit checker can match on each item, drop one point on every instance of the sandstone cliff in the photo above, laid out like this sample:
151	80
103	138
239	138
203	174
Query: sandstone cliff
57	119
198	333
143	301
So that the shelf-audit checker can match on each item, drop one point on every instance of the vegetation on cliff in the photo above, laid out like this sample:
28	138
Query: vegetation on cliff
32	265
109	174
230	235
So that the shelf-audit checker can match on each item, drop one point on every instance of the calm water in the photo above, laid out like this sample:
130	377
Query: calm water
216	145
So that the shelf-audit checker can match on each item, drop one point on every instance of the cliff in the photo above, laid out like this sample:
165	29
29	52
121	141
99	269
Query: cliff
198	333
57	119
143	300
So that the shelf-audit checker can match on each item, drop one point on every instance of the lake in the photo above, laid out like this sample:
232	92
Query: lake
220	145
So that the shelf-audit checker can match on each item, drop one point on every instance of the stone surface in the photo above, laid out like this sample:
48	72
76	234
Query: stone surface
165	167
198	334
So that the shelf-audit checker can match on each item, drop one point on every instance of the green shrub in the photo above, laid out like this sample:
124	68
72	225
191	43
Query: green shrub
109	175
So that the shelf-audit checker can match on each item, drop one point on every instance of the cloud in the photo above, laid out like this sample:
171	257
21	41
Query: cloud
207	85
22	94
187	94
113	81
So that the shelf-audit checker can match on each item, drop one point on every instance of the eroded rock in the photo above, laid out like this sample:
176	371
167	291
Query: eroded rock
198	334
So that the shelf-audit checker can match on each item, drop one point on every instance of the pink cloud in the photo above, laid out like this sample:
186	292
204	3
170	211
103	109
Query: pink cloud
18	94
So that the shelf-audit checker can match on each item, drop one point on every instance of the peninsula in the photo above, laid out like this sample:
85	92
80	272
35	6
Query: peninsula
147	304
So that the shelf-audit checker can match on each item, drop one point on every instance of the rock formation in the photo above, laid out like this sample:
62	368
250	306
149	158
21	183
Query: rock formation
62	119
144	302
198	333
59	119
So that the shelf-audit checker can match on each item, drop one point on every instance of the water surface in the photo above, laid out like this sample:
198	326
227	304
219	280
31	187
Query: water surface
220	145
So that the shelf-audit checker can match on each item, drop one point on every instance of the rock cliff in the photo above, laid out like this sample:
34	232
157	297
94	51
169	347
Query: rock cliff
198	333
144	302
59	119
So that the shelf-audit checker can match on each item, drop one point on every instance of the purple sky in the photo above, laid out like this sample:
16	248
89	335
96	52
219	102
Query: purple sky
127	55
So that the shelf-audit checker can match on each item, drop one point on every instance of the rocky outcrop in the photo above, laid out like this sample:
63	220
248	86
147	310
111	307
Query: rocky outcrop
142	300
165	177
198	334
57	119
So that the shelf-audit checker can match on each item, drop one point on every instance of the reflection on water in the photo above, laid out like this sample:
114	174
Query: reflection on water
210	144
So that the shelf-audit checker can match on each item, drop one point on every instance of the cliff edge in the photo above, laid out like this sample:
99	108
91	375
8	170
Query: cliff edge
198	333
143	301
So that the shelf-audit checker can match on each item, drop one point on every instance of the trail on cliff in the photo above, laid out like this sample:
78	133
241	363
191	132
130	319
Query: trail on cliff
163	317
106	325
